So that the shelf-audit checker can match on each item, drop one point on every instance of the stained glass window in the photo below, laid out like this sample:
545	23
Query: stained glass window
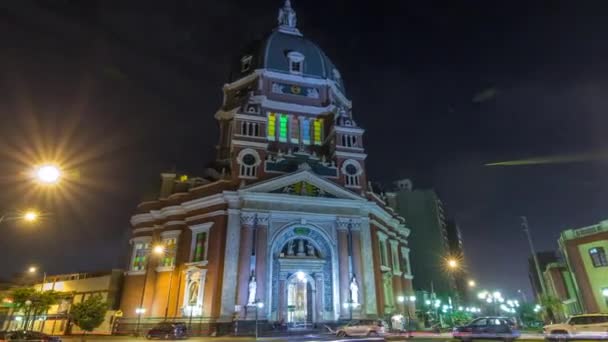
295	130
170	251
305	131
318	134
271	127
283	119
199	247
140	256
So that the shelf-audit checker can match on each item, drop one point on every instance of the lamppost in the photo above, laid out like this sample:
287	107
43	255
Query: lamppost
258	305
47	174
28	216
157	250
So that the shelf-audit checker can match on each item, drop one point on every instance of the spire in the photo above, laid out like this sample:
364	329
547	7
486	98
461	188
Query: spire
288	19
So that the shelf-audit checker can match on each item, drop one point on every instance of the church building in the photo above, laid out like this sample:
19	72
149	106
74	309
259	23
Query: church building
285	223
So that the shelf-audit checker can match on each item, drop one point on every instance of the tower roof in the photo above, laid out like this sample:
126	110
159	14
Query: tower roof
271	53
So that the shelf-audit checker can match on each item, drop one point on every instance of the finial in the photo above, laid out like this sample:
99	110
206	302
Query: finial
287	18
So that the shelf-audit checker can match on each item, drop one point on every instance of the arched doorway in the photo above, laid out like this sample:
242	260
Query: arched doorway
303	282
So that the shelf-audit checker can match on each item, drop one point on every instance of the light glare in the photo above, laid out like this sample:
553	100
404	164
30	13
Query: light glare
48	174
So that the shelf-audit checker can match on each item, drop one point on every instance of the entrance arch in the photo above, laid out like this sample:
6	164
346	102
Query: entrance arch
302	261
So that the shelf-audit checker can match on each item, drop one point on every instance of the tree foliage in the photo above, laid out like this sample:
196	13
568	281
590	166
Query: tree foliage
90	313
552	306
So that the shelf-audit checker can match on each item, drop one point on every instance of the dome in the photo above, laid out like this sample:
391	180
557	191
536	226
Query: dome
271	53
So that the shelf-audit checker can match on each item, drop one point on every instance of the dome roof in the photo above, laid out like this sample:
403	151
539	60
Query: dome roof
271	54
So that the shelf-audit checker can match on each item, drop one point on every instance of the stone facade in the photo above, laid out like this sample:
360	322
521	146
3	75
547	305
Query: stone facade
284	224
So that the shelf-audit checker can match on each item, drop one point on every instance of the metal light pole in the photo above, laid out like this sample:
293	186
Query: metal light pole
258	305
526	229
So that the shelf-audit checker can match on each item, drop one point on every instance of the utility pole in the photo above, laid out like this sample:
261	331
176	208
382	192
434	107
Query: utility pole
524	225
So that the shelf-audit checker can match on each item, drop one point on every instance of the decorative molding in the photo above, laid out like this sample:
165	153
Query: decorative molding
355	155
160	269
381	236
140	239
344	223
170	234
244	143
136	273
143	230
280	106
207	215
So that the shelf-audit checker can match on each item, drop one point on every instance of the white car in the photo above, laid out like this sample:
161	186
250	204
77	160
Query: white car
364	327
590	326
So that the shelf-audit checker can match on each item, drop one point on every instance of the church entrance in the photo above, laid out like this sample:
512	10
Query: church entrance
299	301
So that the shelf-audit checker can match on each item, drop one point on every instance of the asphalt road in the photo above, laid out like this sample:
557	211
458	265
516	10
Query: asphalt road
311	338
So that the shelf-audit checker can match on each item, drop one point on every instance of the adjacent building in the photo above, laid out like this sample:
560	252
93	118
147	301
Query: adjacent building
284	225
77	287
584	250
464	292
544	258
559	284
429	239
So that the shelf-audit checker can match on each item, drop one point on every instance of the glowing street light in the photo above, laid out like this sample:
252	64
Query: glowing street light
452	263
31	216
47	174
32	269
159	249
472	283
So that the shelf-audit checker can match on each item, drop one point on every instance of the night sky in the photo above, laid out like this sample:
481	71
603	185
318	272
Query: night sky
122	90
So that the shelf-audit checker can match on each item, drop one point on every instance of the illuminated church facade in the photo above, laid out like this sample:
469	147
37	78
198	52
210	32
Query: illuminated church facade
285	222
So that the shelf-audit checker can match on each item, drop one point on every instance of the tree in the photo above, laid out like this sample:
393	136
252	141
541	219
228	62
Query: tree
33	302
89	314
552	305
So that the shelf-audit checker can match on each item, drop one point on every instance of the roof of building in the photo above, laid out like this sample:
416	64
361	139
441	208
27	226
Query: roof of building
271	53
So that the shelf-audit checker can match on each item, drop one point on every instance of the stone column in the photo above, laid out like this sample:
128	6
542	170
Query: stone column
320	286
230	263
247	222
343	266
282	309
261	256
368	281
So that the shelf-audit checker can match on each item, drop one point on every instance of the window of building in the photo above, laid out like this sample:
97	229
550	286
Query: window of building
200	248
598	257
246	63
140	255
382	249
349	140
318	131
305	131
251	129
248	161
283	120
352	171
405	264
296	62
395	257
200	242
271	127
295	130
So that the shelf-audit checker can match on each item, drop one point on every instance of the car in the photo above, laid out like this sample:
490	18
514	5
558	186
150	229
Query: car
487	328
168	331
363	327
27	335
589	326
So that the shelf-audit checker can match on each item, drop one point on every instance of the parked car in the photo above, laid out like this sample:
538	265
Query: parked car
364	327
590	326
27	335
487	328
168	331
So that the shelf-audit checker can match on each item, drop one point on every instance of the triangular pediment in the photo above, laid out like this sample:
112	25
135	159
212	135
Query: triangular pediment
303	183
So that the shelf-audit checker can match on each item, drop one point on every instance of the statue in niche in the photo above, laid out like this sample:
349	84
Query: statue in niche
301	248
290	247
310	249
252	291
193	293
354	291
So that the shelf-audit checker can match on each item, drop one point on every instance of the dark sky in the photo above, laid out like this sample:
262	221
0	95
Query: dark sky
122	90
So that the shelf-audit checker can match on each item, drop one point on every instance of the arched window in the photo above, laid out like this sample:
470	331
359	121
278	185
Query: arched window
248	161
598	257
296	62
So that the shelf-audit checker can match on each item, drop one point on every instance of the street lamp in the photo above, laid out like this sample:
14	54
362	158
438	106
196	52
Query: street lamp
452	263
47	174
258	305
29	216
472	283
158	250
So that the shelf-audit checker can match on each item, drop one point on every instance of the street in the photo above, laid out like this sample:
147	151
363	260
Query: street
311	337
